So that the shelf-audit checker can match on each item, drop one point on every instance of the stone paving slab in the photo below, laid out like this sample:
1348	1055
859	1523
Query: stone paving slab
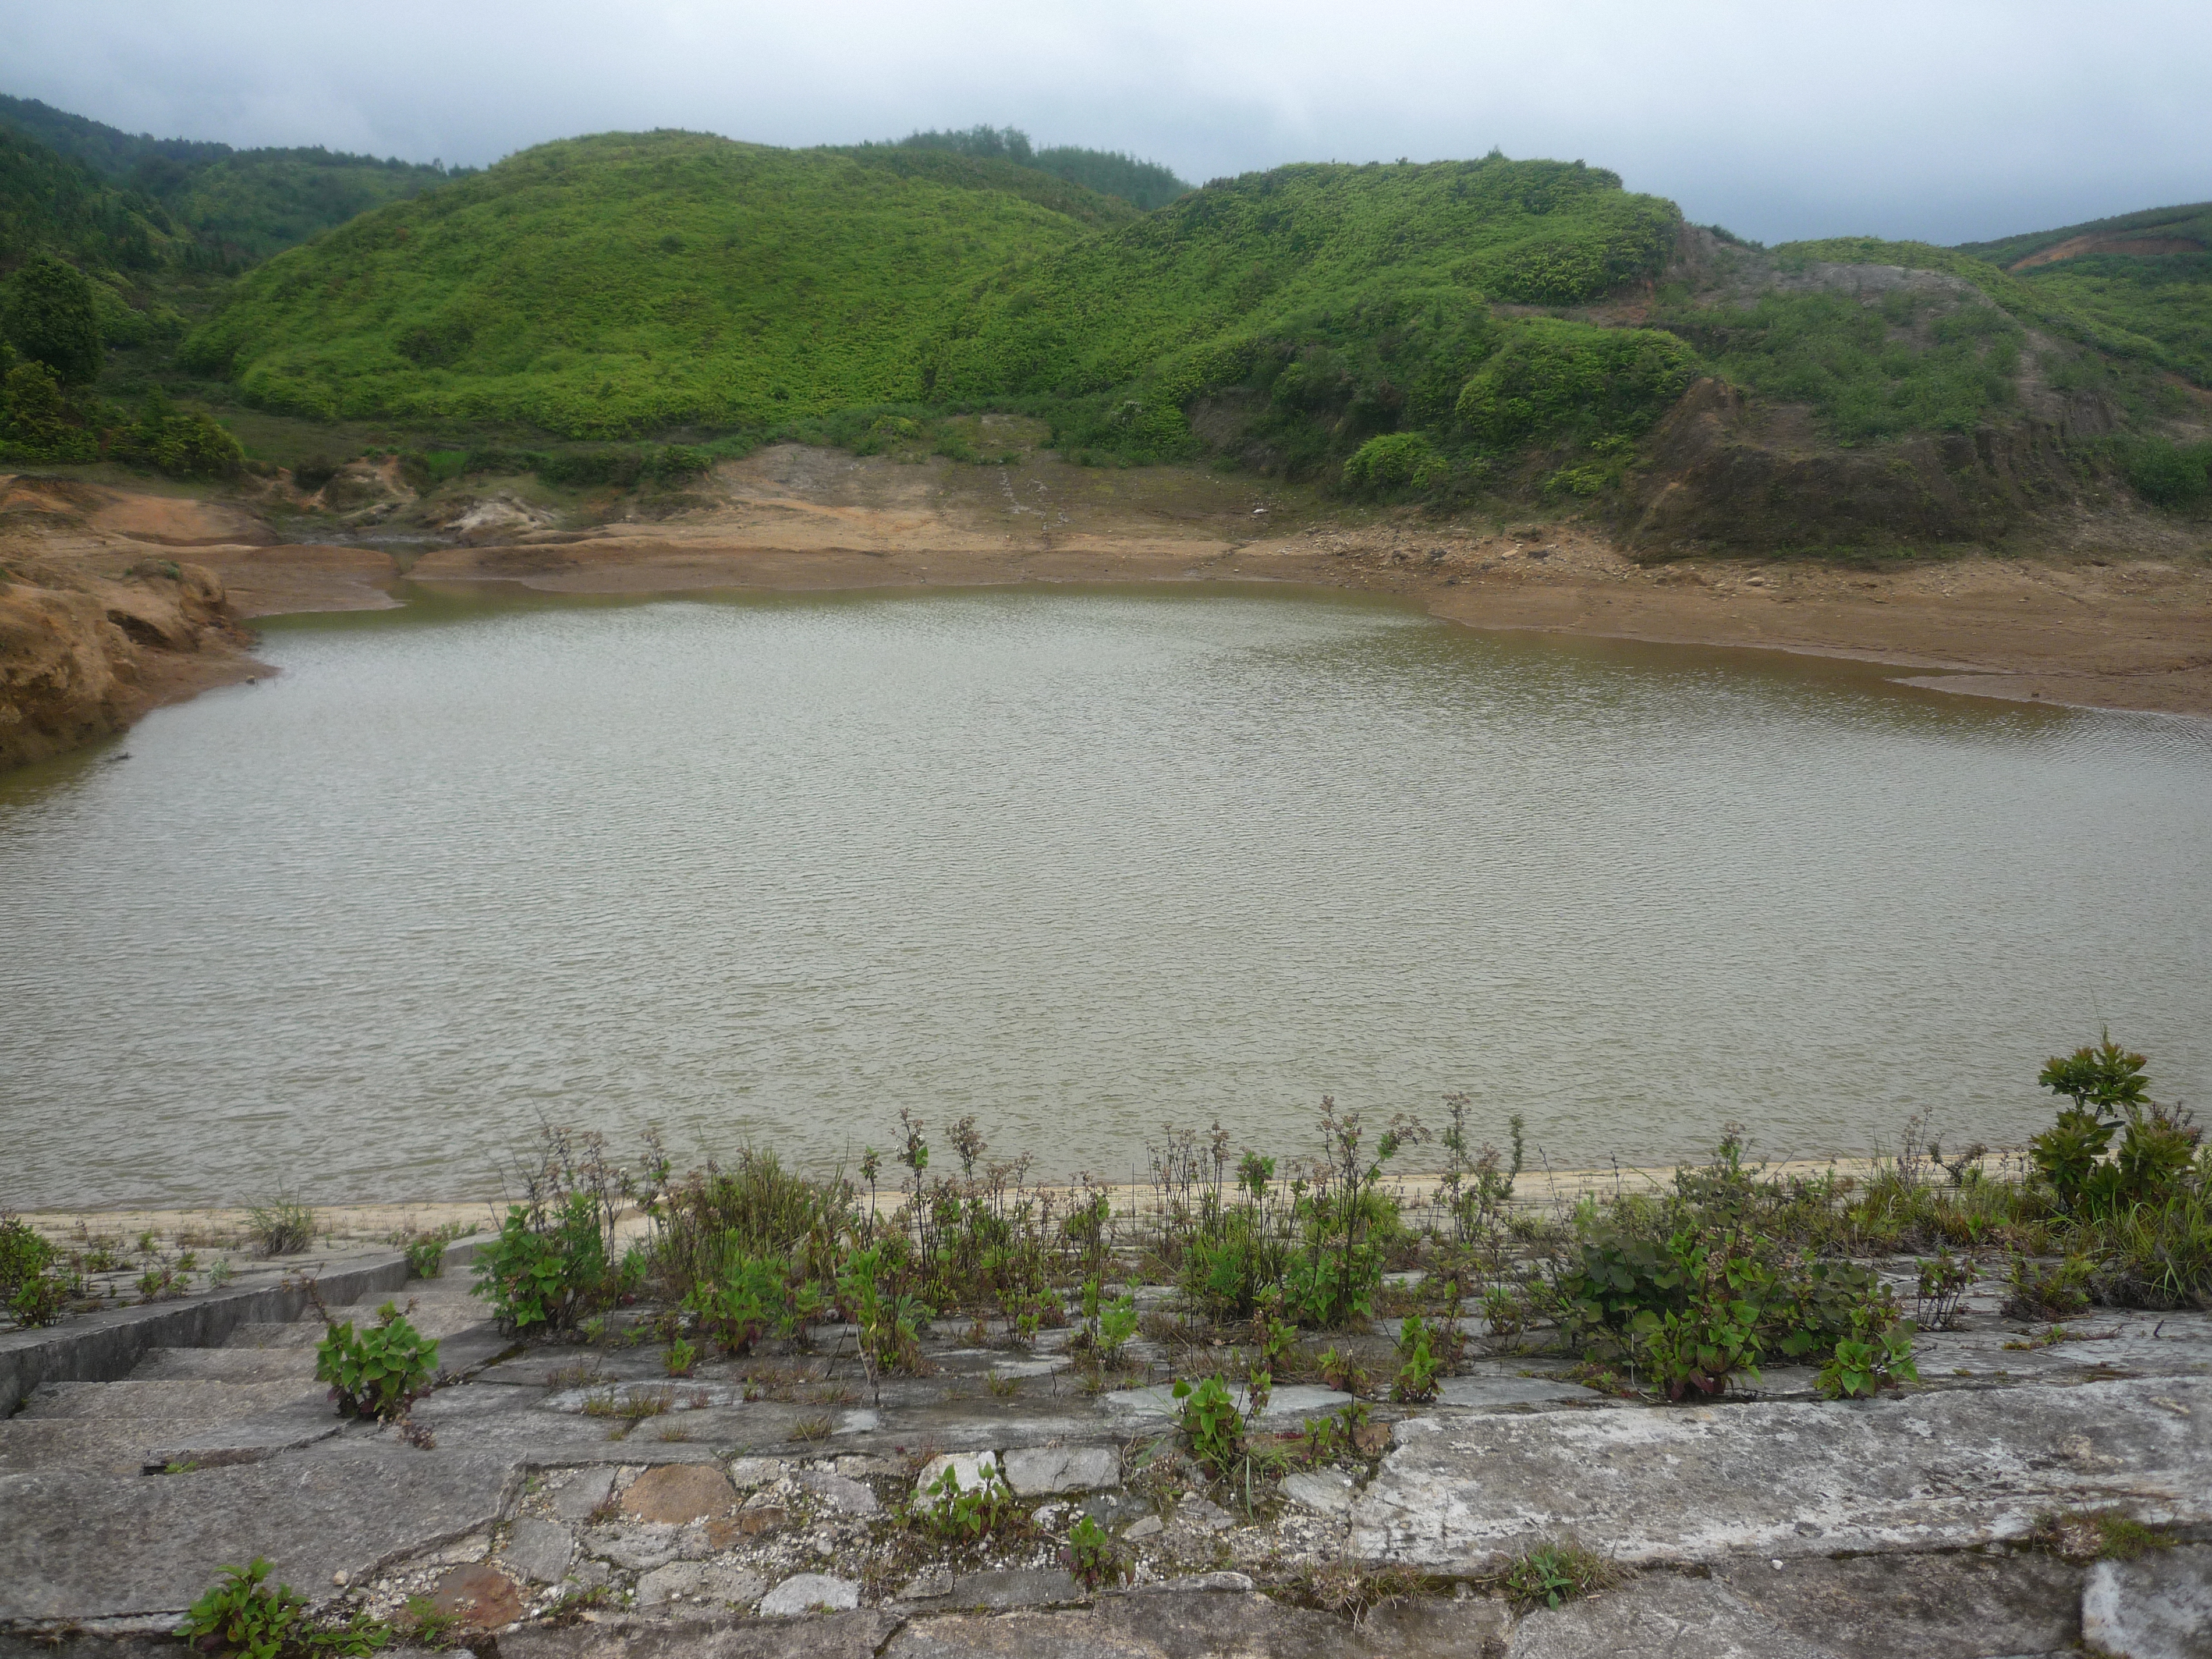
248	1440
1493	1392
1962	1604
85	1546
169	1400
95	1445
1660	1617
1701	1483
858	1635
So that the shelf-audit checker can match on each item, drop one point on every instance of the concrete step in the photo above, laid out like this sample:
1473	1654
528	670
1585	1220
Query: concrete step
300	1334
133	1401
99	1445
225	1365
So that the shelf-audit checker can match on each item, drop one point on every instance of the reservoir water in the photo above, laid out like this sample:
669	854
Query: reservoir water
1081	862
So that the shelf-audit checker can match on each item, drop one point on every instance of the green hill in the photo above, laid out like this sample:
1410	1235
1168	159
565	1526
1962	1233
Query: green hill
628	282
2146	275
237	205
1333	302
1437	331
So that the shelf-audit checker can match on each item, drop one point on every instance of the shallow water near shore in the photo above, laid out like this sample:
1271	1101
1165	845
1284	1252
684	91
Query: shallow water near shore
1078	861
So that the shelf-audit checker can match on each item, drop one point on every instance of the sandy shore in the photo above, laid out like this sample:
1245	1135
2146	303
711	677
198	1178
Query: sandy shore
358	1225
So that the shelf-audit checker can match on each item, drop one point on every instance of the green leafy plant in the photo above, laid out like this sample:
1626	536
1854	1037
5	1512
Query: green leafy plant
425	1256
34	1287
682	1356
1867	1361
1550	1575
1091	1556
1211	1422
242	1614
1343	1373
379	1371
1416	1370
1943	1282
547	1267
962	1514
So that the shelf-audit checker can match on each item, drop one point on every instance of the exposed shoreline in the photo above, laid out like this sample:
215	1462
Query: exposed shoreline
2100	625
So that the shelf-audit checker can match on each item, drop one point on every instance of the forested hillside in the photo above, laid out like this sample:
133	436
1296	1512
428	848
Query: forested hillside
1438	333
622	283
236	206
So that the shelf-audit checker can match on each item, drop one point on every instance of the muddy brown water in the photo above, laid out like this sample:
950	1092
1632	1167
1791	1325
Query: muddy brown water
1081	862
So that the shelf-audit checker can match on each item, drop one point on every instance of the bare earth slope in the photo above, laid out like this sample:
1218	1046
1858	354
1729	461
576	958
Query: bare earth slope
99	621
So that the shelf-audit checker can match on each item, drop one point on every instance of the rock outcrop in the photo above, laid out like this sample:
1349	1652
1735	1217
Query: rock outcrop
81	655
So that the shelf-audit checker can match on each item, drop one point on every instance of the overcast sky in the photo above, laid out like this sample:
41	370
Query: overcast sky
1945	121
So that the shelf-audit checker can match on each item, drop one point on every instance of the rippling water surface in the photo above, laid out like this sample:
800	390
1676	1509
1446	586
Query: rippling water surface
1079	862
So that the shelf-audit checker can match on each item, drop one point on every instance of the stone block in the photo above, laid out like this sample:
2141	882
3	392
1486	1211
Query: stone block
806	1591
1703	1483
1659	1616
540	1551
1016	1586
1325	1491
1960	1603
1042	1470
639	1548
81	1546
2157	1605
846	1496
582	1493
756	1471
1491	1393
679	1493
858	1635
480	1596
699	1581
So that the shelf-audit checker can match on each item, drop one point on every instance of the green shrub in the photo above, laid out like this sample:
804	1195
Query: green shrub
1417	1371
2107	1088
2167	474
379	1371
1871	1358
548	1268
35	1288
37	423
1091	1556
1551	375
1394	460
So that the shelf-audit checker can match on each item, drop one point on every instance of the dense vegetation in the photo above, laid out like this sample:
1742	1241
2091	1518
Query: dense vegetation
1681	1290
234	206
1431	331
630	282
1147	185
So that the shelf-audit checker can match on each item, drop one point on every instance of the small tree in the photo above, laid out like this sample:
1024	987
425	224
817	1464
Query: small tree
46	314
2107	1087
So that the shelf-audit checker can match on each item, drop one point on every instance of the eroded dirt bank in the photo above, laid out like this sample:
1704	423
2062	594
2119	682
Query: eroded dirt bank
122	598
89	643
